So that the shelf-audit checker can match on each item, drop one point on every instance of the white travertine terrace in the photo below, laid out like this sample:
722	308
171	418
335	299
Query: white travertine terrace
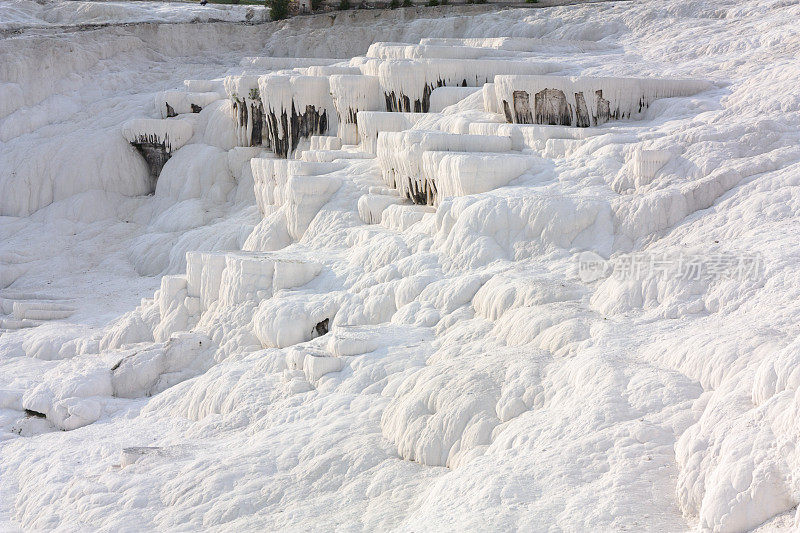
407	83
271	178
400	156
373	122
335	314
205	86
453	173
583	101
282	63
431	51
352	94
330	70
519	44
325	142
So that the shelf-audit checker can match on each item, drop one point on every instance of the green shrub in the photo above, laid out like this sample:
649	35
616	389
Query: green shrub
344	5
432	3
278	9
394	4
408	3
316	4
531	1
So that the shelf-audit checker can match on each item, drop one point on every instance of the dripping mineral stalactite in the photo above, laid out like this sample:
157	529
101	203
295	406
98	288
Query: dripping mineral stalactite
285	133
551	107
257	119
296	108
249	113
156	140
156	153
522	108
603	107
581	111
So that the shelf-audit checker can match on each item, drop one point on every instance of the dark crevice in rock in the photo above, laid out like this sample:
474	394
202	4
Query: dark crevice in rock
322	327
195	108
170	111
37	414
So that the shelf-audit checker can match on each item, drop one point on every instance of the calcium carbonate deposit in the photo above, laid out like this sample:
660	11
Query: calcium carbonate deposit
447	269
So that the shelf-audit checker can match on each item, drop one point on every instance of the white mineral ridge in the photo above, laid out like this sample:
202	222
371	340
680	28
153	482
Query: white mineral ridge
286	341
442	97
182	102
21	14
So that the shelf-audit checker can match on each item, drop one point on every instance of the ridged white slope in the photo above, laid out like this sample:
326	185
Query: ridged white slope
281	63
442	97
430	51
518	44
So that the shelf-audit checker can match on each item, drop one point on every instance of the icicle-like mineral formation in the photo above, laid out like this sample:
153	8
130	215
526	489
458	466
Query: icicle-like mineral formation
156	139
296	107
352	94
248	110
